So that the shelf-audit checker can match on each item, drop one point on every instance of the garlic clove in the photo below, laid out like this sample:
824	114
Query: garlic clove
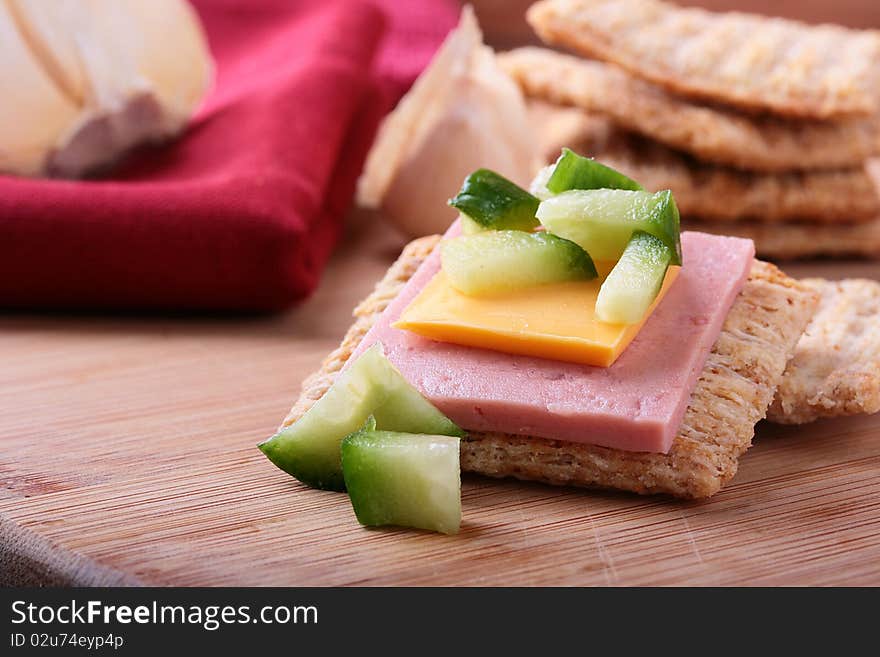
34	111
416	200
96	139
464	112
179	77
46	27
137	69
140	90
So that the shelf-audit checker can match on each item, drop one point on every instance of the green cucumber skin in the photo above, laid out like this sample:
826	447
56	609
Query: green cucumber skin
603	221
671	236
495	203
313	467
309	448
502	261
403	479
635	281
573	171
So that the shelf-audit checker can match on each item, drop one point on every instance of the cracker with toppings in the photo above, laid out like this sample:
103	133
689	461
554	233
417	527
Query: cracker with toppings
836	366
710	133
732	394
754	62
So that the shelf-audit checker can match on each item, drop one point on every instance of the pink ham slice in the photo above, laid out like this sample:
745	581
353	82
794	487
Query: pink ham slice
637	404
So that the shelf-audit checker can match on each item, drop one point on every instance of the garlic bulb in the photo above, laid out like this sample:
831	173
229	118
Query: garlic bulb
464	112
85	80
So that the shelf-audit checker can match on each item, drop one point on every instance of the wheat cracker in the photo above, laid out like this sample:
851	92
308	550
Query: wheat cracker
709	133
836	367
736	386
754	62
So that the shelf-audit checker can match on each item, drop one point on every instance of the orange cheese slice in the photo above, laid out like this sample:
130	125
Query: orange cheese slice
556	321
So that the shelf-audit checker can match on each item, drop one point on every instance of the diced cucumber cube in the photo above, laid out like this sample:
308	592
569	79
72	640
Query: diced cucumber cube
404	479
573	171
635	281
309	448
495	203
602	221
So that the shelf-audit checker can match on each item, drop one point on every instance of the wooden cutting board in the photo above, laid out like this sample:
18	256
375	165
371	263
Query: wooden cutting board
127	455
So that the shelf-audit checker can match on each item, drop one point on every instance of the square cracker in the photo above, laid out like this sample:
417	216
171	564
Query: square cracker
709	133
836	366
732	394
746	60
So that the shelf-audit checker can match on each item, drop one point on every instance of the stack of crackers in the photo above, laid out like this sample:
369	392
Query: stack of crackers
763	128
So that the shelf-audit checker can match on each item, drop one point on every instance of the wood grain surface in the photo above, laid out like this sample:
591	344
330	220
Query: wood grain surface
127	456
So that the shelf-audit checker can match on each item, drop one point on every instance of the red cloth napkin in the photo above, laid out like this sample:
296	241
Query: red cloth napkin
242	212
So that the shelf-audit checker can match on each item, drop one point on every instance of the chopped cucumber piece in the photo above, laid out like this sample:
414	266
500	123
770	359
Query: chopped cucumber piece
635	281
603	220
505	260
495	203
573	171
309	448
404	479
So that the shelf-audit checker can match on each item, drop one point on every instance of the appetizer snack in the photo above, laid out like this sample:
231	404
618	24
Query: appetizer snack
744	60
646	373
711	133
836	367
85	81
649	377
734	387
634	399
462	113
